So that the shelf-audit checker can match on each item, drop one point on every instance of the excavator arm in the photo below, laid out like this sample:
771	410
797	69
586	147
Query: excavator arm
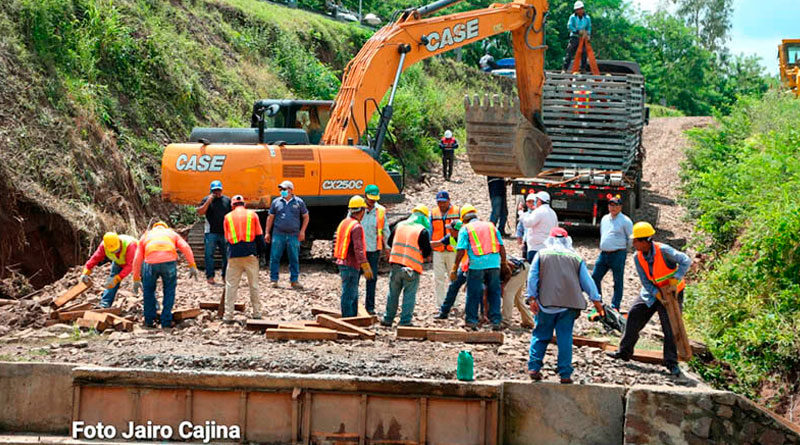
411	38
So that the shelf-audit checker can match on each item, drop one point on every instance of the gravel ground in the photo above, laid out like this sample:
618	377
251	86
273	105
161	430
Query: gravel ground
207	343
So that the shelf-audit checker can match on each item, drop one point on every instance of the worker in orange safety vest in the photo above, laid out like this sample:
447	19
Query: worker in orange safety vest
245	238
157	257
350	254
121	251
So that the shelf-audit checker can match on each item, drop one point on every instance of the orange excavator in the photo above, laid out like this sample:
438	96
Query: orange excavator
284	141
789	64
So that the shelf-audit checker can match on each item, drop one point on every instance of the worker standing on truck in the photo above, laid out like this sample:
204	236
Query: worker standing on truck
411	246
121	251
579	25
658	265
615	239
288	215
453	287
538	224
214	206
376	234
482	243
157	257
448	145
556	283
444	254
245	245
497	196
349	245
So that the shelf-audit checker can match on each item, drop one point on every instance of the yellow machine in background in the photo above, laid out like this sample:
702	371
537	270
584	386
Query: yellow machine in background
789	60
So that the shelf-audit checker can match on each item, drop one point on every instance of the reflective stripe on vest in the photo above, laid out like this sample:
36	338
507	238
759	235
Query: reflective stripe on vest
343	237
236	225
483	238
405	250
380	224
661	273
120	259
438	223
159	240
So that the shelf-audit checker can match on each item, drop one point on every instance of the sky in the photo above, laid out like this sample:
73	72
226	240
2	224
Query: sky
757	26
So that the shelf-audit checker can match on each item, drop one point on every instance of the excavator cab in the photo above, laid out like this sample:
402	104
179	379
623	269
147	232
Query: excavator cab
789	61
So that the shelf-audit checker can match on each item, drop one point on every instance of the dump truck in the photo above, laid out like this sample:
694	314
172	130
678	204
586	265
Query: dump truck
789	64
286	138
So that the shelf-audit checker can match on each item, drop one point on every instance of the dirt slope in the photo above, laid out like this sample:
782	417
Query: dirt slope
208	344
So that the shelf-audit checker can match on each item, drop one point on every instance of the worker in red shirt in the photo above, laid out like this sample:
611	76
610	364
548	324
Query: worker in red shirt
121	251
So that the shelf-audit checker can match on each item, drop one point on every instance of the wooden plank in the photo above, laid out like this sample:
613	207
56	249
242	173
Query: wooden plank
668	297
99	316
414	332
72	307
577	340
120	323
643	356
333	323
71	294
214	305
97	325
361	321
466	337
301	334
316	310
185	314
260	325
74	315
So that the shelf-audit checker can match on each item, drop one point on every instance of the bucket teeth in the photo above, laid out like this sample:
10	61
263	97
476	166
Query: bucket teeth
500	140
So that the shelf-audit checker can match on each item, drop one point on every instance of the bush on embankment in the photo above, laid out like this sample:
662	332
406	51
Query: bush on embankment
742	186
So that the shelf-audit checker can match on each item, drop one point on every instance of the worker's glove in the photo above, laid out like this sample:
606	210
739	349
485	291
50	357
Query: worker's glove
367	269
137	286
453	275
112	282
533	305
85	278
193	271
599	306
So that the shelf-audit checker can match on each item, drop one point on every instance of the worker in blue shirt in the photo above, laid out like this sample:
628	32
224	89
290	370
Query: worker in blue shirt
658	266
556	282
579	25
615	238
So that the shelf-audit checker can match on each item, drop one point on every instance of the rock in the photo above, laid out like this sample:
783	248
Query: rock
59	327
63	336
725	411
771	437
78	344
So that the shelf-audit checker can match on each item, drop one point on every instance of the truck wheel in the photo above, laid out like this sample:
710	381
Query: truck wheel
638	189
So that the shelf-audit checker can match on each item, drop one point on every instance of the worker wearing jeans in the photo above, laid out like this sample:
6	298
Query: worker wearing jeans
214	207
349	251
615	238
288	216
168	273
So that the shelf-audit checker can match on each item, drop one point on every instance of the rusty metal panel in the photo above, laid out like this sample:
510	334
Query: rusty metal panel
221	407
334	413
163	406
269	417
393	418
110	405
455	421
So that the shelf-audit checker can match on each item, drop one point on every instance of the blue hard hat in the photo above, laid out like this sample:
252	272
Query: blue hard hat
216	185
443	196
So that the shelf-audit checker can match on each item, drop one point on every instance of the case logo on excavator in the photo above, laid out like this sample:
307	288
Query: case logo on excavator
342	184
449	36
202	163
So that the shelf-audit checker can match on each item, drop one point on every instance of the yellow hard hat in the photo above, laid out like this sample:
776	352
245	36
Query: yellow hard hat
467	208
643	229
421	208
161	224
111	241
356	202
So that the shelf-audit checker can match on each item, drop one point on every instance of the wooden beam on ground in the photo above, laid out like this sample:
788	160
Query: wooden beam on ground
261	325
467	337
70	308
7	302
361	321
643	356
185	314
120	323
337	324
74	315
577	340
97	325
422	333
71	294
214	305
316	310
301	334
99	316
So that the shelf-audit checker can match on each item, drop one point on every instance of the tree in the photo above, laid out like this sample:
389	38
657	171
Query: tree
709	19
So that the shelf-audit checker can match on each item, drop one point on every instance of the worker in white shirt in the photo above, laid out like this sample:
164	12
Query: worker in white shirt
538	224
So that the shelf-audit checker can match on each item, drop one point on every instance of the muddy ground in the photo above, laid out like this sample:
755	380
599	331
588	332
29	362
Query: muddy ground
207	343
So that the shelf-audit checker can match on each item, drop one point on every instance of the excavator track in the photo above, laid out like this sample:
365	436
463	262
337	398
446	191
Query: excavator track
501	141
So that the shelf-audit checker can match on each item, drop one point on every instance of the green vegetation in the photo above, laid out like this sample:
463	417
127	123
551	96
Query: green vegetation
662	111
741	182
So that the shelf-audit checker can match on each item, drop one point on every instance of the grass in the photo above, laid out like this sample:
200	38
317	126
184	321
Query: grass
662	111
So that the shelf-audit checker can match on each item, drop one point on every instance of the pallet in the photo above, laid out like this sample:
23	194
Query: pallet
329	322
71	294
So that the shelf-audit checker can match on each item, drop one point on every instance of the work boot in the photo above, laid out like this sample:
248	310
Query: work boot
497	327
566	381
440	316
406	325
211	281
257	316
297	286
674	370
616	355
386	324
471	326
536	376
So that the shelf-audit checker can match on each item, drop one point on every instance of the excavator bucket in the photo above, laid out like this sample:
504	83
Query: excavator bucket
501	141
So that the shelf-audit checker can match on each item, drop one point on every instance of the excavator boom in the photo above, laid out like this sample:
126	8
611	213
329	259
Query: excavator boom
412	38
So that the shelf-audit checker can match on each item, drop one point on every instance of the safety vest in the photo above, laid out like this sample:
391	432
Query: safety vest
343	233
661	273
380	224
405	250
438	223
119	258
482	238
241	225
159	245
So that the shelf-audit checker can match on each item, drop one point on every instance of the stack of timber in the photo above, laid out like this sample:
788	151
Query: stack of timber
328	324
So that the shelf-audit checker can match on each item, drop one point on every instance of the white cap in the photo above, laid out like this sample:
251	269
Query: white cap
578	5
544	196
531	197
448	134
286	185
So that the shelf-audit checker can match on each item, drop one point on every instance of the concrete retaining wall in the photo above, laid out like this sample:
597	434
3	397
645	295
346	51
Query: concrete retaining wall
36	397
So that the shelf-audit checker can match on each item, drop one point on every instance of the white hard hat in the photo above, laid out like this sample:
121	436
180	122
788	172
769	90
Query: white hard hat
286	185
448	134
578	5
531	197
544	196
